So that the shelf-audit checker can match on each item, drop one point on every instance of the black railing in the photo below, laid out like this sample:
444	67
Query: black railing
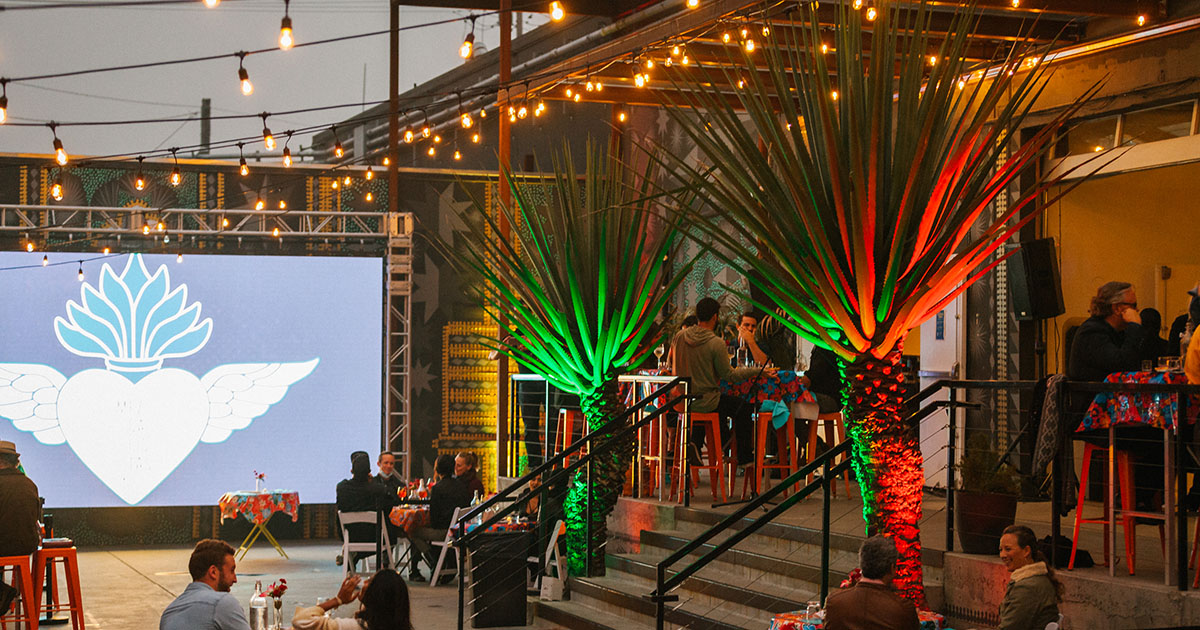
664	585
594	442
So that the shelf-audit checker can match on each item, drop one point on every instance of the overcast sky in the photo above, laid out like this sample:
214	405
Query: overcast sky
63	40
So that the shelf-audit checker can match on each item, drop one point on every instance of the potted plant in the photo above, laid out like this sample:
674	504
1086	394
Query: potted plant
986	502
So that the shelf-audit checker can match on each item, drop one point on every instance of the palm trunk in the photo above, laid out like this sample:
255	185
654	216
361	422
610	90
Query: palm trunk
888	463
608	478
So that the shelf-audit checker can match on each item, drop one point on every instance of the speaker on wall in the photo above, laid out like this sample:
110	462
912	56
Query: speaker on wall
1034	283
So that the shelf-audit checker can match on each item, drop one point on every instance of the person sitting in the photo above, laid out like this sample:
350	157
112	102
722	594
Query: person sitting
465	471
20	533
1153	345
446	495
360	493
871	604
1033	592
206	603
383	605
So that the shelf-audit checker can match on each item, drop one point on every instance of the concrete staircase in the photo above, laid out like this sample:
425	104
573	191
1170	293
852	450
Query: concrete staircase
777	569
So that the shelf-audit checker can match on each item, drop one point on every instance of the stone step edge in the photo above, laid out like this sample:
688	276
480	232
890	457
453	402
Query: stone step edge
728	592
587	587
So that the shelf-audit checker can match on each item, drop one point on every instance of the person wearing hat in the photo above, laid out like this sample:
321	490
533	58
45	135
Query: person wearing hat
20	510
360	493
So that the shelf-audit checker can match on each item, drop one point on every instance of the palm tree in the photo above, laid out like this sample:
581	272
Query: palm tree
580	285
845	175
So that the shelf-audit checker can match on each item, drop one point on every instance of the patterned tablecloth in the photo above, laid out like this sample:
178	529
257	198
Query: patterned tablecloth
257	507
1128	409
783	387
799	620
409	517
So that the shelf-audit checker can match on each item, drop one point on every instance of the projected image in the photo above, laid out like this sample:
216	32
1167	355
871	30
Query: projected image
158	411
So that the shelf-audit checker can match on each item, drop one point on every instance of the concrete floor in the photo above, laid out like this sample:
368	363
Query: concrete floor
128	588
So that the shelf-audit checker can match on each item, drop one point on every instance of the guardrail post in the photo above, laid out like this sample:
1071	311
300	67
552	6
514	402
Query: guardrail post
1056	478
587	512
660	605
462	576
825	529
951	461
1181	520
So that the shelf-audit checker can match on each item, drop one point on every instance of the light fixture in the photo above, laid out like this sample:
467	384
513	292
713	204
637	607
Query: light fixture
338	151
369	196
3	100
179	257
468	46
56	189
1141	20
287	153
268	138
139	182
475	138
557	12
370	174
692	4
81	271
176	176
243	168
45	260
29	246
275	232
286	39
244	75
282	204
457	155
260	204
60	154
212	4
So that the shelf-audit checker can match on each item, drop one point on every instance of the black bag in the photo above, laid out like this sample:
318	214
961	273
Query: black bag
1083	559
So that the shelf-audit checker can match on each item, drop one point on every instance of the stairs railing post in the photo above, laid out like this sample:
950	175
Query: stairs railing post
587	512
952	460
825	530
660	605
462	576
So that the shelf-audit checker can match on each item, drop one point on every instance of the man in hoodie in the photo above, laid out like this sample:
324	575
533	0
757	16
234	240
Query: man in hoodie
700	355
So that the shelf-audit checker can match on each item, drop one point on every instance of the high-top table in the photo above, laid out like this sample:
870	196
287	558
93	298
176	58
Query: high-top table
258	508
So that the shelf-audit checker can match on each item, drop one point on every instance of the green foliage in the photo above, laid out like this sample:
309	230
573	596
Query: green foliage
980	469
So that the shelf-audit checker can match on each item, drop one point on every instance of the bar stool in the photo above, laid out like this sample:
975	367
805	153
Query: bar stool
564	434
709	422
649	443
1195	551
786	453
1128	524
835	433
20	567
53	552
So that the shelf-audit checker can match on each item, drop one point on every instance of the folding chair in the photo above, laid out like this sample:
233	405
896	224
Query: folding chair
552	559
447	545
349	548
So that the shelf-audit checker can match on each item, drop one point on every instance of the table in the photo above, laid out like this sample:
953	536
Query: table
258	508
409	517
1110	409
783	386
799	620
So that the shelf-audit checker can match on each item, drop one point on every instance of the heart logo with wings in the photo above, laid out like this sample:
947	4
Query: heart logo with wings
135	421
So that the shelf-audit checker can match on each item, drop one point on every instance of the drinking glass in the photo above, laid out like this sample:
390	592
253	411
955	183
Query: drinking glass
812	608
1162	363
1147	365
659	352
1174	365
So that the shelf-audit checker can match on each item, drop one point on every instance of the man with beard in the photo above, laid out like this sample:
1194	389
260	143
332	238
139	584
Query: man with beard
206	603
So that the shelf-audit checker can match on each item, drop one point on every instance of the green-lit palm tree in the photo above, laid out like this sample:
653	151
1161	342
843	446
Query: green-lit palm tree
580	285
845	175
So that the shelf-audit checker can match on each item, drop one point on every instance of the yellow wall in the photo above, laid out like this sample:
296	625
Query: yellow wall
1125	227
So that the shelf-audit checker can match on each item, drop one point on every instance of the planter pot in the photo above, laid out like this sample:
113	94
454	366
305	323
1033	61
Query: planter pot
980	518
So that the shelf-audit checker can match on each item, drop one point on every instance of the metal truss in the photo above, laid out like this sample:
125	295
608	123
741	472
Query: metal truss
399	341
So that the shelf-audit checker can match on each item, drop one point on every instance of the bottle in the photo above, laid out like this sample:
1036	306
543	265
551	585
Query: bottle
258	608
743	354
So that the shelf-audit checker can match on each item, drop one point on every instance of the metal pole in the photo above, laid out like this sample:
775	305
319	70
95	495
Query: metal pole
951	461
660	604
588	510
462	575
1056	480
825	529
505	194
1181	520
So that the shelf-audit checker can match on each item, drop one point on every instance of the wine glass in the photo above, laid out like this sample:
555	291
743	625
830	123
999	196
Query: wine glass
659	351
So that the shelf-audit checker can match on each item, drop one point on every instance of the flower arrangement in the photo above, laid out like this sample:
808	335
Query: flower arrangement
853	578
276	589
260	482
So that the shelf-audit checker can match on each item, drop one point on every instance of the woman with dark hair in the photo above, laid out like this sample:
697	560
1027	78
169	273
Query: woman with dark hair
1033	592
384	606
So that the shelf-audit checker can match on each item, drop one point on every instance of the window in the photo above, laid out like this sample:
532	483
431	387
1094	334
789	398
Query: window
1159	123
1093	135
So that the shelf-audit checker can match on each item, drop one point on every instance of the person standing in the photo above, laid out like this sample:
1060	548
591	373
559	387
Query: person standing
206	603
20	511
871	604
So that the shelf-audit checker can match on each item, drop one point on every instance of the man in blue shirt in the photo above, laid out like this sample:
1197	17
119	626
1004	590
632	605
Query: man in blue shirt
206	603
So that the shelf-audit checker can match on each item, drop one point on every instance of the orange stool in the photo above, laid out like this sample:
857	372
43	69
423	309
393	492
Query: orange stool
53	552
1128	524
1195	549
649	443
564	434
835	433
709	422
20	567
785	447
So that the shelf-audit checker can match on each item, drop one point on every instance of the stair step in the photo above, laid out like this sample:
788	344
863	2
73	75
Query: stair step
739	589
617	594
577	616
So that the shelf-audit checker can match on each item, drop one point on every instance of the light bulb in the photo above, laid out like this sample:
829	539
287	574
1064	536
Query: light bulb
621	116
483	112
287	157
467	121
432	151
260	204
146	229
522	112
933	60
457	155
961	84
639	80
81	272
591	87
745	32
557	13
599	86
244	77
286	41
684	61
692	4
212	4
475	138
45	260
370	174
282	204
766	31
1141	20
139	182
275	232
649	64
160	226
872	14
667	62
107	251
468	46
29	246
437	139
1016	3
338	151
387	160
176	176
741	83
834	95
725	37
60	154
749	45
56	190
243	168
334	185
576	98
3	109
425	131
408	136
570	93
179	258
268	139
369	196
347	180
224	222
675	50
857	4
824	48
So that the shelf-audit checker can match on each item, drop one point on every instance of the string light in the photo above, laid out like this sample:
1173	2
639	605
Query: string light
557	12
56	190
570	92
749	45
81	271
675	51
287	153
286	38
275	232
1141	20
766	31
179	257
468	46
437	139
432	151
282	204
60	154
692	4
338	151
224	222
260	204
425	130
639	80
45	260
408	136
243	168
346	181
467	121
369	196
483	112
146	229
726	37
857	4
244	75
387	160
684	61
834	95
370	174
457	155
176	175
160	226
139	182
621	116
871	12
29	246
212	4
475	138
576	97
541	107
3	100
933	59
268	138
334	185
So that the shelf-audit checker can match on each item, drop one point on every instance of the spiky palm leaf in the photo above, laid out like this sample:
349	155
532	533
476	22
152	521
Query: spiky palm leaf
846	181
580	284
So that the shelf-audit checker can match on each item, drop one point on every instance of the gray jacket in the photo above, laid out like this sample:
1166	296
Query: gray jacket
700	355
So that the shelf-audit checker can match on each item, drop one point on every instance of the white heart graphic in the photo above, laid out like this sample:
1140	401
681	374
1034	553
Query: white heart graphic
132	435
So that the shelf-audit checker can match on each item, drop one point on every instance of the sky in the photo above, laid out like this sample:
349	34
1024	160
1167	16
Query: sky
34	42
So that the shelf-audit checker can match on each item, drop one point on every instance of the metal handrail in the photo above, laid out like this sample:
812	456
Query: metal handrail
562	474
663	584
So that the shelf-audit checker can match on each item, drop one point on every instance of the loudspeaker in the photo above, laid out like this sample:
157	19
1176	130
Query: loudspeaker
1034	283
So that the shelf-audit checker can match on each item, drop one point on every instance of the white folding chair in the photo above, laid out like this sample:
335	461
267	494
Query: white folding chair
447	545
349	548
550	566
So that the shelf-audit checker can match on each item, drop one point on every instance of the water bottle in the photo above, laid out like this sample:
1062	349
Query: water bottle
743	354
258	608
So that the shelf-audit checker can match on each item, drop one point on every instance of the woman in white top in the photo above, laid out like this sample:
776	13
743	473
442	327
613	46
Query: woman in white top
384	606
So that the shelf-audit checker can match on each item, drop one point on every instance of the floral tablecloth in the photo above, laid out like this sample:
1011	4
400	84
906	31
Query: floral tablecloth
799	620
1128	409
257	507
409	518
784	386
506	526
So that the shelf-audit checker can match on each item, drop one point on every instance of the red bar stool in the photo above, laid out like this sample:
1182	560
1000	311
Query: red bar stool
835	433
1128	523
785	448
564	434
649	441
53	552
709	422
19	567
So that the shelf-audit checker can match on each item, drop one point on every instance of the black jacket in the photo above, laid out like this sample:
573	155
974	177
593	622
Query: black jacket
20	510
1099	350
447	494
367	495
